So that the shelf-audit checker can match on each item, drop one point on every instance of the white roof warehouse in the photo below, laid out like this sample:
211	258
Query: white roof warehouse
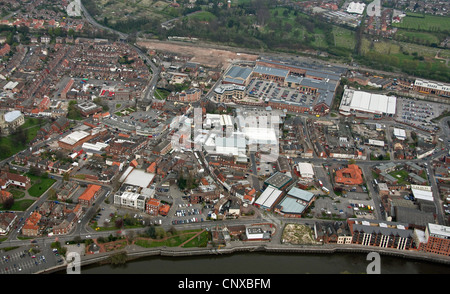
360	101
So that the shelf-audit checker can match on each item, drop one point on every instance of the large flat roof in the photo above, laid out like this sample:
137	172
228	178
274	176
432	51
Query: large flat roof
291	205
278	180
301	194
305	169
140	178
367	102
237	74
268	197
439	230
422	192
271	71
74	137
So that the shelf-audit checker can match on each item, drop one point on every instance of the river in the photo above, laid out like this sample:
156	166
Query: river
269	263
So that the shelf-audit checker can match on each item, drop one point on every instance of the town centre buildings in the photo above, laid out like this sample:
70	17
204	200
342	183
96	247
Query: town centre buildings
319	85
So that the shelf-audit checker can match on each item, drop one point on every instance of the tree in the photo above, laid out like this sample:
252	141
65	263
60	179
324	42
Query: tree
51	193
119	223
173	230
9	202
151	232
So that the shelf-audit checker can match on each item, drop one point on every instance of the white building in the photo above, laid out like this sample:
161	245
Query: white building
268	198
305	170
74	137
138	178
400	134
256	233
359	101
422	192
356	7
131	200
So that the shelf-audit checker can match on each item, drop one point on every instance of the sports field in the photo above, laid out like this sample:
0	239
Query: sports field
424	22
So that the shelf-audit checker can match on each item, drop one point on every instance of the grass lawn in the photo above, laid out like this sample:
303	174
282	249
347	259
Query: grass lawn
39	185
344	38
9	146
176	240
161	94
401	175
419	36
20	205
17	194
424	22
203	16
200	241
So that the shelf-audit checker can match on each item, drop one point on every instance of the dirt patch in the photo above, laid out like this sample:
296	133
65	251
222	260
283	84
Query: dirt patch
298	234
207	57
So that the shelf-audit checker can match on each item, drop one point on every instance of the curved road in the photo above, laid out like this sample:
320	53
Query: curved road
148	92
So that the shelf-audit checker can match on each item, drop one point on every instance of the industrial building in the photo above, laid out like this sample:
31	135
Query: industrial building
268	198
237	75
278	180
430	87
305	170
354	102
295	203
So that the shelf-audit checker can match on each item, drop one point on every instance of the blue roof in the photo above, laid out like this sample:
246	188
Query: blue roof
271	71
290	205
301	194
238	72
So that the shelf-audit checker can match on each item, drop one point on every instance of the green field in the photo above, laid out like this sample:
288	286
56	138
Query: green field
16	142
203	16
344	38
424	22
401	175
39	185
161	94
20	205
177	240
417	37
414	59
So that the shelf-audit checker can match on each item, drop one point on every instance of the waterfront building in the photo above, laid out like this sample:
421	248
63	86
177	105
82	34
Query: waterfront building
381	234
436	239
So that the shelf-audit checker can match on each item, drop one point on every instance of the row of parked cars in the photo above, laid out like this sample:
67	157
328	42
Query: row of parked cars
187	221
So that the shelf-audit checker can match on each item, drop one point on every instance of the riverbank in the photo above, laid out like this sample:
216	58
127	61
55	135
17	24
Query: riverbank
134	252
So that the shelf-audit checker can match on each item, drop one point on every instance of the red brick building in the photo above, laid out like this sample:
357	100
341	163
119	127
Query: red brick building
89	195
438	240
152	206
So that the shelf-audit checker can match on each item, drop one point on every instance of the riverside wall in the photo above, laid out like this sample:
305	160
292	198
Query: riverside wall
137	253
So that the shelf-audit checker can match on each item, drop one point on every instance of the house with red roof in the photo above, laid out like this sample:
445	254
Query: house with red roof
89	195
